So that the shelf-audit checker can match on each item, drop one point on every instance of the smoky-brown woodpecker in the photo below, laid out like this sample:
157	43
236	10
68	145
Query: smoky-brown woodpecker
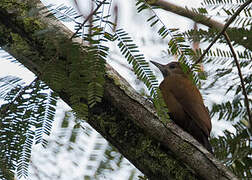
185	103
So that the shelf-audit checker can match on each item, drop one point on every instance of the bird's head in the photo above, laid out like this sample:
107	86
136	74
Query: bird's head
169	69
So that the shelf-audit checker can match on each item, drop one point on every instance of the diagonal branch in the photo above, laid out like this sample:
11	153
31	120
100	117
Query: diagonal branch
224	29
200	18
88	17
241	78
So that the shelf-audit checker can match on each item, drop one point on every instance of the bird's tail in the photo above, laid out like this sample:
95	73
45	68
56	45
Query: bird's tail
202	138
205	142
192	128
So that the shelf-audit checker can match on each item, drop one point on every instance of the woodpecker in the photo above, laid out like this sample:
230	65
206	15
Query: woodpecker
185	103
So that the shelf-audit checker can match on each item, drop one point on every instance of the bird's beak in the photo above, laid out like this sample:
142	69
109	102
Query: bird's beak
159	66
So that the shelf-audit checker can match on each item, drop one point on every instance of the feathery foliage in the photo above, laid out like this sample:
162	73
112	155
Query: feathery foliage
26	117
85	85
229	8
71	139
177	45
28	112
94	58
234	150
64	13
141	68
133	56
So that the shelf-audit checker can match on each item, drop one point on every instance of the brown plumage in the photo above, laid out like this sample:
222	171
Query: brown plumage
185	103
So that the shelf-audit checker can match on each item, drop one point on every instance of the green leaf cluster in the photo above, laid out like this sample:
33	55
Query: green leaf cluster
229	7
177	45
26	117
141	68
234	150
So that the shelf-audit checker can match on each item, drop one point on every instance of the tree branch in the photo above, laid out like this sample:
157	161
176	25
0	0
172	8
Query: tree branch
224	29
123	117
246	101
88	17
199	18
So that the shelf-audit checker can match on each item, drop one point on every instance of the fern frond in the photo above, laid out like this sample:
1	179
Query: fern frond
62	12
21	119
229	110
202	35
229	8
224	4
141	68
177	44
46	117
24	159
95	87
234	150
243	21
95	56
139	64
222	56
7	83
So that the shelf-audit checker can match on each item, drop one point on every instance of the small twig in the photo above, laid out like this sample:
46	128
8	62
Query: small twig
88	17
77	7
224	29
246	101
36	171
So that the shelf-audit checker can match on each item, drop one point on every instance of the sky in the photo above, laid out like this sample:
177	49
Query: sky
134	28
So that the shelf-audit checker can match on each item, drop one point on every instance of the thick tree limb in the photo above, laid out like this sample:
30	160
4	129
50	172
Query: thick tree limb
124	117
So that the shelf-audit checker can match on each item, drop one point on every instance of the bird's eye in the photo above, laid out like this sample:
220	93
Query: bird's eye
172	66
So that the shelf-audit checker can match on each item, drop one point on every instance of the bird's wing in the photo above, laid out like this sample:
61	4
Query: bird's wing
191	100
